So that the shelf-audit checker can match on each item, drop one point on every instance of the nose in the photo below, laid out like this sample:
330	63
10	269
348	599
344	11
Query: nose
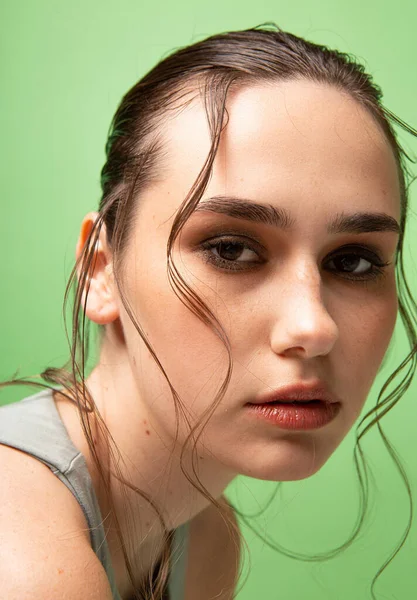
303	326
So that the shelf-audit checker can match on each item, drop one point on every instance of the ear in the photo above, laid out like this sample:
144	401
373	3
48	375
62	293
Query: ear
102	307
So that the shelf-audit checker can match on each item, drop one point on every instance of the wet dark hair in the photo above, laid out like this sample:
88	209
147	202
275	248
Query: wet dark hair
211	69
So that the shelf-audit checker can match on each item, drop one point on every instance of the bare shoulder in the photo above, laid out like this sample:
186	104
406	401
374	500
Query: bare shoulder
213	556
45	550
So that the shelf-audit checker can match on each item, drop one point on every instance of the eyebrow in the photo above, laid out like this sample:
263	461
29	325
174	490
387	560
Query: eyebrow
241	208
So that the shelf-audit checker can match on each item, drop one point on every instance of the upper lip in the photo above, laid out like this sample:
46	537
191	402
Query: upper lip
299	392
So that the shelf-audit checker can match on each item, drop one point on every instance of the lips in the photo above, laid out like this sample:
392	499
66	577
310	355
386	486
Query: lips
302	392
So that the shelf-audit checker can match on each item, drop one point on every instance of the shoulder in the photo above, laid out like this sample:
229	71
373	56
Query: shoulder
29	484
213	555
44	544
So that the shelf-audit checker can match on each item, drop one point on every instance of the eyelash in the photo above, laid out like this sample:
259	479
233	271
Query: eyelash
377	271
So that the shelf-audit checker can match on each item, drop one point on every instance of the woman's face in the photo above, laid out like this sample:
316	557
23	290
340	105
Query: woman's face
294	302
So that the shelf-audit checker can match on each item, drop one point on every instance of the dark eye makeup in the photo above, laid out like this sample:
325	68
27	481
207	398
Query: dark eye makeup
230	253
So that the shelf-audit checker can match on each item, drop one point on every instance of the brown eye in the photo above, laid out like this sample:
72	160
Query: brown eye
232	250
359	264
230	254
350	263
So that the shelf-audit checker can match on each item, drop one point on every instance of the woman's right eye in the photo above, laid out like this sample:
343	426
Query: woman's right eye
230	254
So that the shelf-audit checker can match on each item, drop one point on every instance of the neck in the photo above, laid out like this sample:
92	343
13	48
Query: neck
149	461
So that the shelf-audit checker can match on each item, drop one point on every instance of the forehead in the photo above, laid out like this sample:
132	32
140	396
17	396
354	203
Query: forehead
297	144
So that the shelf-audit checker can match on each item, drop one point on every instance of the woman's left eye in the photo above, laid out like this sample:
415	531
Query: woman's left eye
358	263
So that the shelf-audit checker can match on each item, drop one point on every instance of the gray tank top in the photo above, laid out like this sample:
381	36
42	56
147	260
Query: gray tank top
34	426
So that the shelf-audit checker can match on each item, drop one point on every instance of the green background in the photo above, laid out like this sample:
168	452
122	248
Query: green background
64	68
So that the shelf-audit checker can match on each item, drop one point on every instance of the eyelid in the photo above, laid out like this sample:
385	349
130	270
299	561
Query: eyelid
373	252
214	232
237	237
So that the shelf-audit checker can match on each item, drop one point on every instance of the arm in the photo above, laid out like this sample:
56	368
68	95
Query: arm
44	544
213	557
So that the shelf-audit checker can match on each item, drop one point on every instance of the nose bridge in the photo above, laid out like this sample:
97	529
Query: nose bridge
307	282
305	294
303	320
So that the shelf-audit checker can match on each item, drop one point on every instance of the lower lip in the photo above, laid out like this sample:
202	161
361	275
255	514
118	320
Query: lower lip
311	415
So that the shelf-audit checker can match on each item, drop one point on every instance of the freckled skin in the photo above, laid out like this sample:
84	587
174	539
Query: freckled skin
301	146
315	152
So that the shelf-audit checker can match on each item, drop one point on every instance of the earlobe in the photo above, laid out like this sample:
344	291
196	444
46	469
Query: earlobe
101	304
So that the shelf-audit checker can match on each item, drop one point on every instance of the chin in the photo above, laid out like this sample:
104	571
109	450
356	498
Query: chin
290	473
288	463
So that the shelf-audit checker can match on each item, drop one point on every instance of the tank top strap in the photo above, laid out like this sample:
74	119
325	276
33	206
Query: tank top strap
33	425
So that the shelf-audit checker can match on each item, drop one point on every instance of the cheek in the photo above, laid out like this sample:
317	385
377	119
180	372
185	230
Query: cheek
363	343
193	357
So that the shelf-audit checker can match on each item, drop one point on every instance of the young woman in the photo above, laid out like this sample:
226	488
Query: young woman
242	267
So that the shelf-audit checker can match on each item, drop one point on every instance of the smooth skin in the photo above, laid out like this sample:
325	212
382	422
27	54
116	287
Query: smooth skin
290	312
